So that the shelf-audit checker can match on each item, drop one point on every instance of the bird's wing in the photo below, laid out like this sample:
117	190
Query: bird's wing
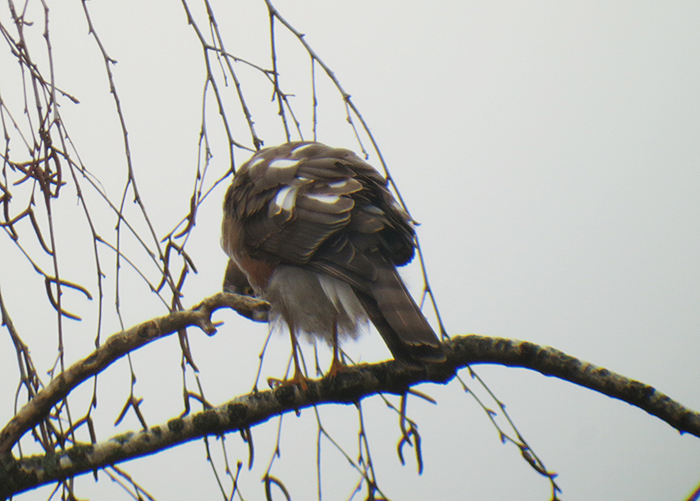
304	201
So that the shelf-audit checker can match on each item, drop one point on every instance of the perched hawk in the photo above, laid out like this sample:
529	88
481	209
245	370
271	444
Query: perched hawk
315	232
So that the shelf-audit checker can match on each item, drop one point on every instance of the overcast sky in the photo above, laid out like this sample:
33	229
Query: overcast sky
550	151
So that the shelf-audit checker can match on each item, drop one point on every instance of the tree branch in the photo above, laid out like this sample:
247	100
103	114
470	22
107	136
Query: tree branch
115	347
347	387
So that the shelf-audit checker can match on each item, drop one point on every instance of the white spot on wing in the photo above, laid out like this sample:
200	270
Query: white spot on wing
339	184
296	151
255	165
283	163
284	200
255	162
324	199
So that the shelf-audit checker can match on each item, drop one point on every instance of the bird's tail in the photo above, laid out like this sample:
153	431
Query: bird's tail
399	320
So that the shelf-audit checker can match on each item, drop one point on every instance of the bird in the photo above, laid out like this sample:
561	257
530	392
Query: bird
315	231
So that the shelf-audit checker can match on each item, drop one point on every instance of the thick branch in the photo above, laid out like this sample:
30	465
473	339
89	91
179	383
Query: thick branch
347	387
115	347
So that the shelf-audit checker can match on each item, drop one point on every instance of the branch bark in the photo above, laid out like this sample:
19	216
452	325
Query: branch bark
347	387
115	347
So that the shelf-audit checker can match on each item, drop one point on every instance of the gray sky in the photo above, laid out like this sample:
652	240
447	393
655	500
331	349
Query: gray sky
550	152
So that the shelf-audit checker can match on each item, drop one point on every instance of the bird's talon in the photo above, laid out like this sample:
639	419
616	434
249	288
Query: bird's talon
298	380
273	382
336	367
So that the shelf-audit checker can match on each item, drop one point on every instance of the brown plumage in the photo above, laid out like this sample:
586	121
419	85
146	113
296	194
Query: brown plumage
316	232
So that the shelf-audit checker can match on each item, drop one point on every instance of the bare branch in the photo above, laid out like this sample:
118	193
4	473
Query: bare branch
115	347
347	387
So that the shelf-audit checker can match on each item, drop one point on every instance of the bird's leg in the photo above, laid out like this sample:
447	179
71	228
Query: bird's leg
298	378
337	365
